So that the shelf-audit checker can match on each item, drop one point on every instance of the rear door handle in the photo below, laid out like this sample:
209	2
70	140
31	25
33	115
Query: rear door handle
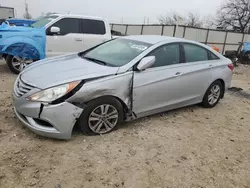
78	39
210	65
178	74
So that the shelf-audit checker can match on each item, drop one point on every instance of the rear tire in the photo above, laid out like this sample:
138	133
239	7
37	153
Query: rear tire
213	95
95	119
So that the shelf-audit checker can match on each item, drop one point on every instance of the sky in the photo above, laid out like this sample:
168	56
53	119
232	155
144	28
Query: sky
118	11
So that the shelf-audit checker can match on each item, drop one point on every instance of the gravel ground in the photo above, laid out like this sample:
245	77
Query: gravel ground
190	147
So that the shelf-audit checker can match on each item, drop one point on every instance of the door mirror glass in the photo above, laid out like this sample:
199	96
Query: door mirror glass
54	30
146	62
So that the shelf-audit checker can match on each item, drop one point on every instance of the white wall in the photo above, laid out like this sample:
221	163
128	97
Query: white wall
152	30
196	34
216	36
234	37
120	28
168	31
213	37
134	30
179	32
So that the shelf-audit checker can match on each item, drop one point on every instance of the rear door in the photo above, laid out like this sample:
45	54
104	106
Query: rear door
94	32
196	73
69	40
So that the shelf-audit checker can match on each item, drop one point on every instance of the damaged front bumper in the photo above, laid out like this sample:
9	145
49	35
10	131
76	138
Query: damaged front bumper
54	121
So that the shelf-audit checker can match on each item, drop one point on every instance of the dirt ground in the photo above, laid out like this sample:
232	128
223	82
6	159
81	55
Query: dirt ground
190	147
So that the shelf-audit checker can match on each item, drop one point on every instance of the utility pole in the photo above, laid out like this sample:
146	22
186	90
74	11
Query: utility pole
26	14
26	7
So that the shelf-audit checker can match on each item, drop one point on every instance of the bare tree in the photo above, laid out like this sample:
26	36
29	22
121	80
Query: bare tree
193	20
234	14
170	19
209	22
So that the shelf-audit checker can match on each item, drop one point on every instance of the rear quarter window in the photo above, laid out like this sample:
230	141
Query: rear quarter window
212	56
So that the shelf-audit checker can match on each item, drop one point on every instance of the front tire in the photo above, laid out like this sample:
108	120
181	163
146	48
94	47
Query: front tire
213	95
101	116
17	64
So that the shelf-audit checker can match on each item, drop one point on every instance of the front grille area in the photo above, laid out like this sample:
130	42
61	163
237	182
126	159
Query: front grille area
22	88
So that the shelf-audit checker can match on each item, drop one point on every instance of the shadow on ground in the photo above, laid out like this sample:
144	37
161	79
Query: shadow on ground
239	92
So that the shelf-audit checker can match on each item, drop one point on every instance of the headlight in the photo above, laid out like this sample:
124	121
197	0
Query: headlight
51	94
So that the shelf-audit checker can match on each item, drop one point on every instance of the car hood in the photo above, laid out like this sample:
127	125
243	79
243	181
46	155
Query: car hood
63	69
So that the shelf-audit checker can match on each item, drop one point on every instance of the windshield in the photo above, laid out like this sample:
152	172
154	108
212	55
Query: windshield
117	52
43	21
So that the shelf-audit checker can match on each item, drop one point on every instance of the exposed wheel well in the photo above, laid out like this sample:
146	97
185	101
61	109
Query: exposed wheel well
223	85
124	105
23	47
4	56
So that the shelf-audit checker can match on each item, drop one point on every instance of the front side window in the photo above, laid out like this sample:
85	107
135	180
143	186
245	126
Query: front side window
117	52
67	25
96	27
195	53
166	55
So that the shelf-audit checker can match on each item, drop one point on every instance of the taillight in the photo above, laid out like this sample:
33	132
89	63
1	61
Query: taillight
231	67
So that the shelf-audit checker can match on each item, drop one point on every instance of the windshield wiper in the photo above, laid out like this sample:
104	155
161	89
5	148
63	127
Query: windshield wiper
95	60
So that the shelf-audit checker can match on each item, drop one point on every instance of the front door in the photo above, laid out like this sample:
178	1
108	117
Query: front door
159	86
69	40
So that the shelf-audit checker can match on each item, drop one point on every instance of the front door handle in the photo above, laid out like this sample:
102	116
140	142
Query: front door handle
178	74
78	39
210	65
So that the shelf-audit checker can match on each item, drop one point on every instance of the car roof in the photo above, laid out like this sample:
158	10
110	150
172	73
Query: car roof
78	16
153	39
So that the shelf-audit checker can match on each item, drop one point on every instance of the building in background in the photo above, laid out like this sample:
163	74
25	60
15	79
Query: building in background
7	12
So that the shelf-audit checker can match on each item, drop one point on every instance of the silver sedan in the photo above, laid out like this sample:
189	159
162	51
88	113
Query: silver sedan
120	80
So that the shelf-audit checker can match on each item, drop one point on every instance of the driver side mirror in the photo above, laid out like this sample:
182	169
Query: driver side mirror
54	30
146	62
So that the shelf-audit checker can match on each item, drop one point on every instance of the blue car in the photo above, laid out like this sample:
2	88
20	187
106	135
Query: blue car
20	22
26	42
242	54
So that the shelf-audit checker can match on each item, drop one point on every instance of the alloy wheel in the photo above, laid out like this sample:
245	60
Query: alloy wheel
103	119
214	94
20	63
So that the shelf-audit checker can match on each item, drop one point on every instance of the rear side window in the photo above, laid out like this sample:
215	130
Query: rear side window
96	27
195	53
67	25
